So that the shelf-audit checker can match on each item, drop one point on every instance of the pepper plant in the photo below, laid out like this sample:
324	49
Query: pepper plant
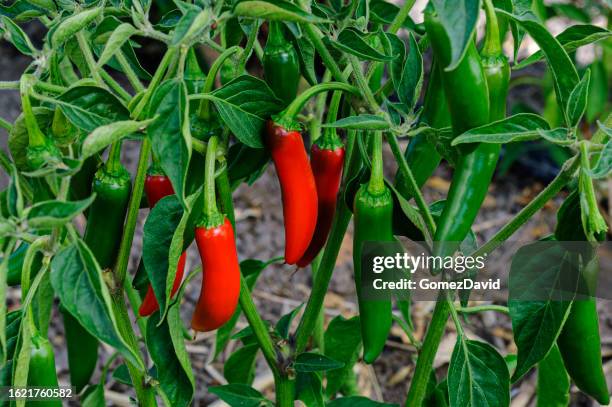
203	132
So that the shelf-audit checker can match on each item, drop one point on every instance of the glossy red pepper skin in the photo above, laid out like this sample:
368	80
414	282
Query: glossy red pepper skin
326	167
157	187
298	188
220	276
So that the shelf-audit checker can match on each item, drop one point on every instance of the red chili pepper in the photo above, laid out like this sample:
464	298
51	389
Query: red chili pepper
298	188
326	161
156	187
220	276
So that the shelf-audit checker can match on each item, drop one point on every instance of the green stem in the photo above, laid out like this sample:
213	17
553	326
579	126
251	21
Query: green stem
556	185
144	393
49	87
129	72
362	83
285	392
225	195
210	201
205	112
401	16
5	162
132	215
414	187
113	163
135	302
89	58
376	185
298	103
422	371
330	254
492	46
328	59
9	85
481	308
122	93
36	138
319	329
454	315
248	48
157	78
259	328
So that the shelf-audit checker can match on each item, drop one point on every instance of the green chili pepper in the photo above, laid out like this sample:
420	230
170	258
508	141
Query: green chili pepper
421	155
281	64
474	168
16	264
41	372
579	341
82	351
112	186
373	209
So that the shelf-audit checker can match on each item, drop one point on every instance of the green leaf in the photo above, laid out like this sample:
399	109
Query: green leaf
240	366
314	362
169	132
342	343
306	53
409	87
77	280
308	389
50	214
18	38
276	10
537	318
356	43
243	104
357	401
603	168
239	395
459	20
106	135
520	127
89	107
560	136
166	345
477	375
553	381
158	232
72	25
120	35
21	10
598	91
361	122
194	21
122	375
571	39
576	104
560	64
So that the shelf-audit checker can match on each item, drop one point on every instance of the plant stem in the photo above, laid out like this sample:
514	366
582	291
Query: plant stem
420	379
144	393
285	390
205	112
480	308
225	196
122	93
330	254
248	48
491	45
362	83
298	104
49	87
132	215
323	52
564	176
89	58
376	185
129	72
9	85
210	202
259	328
401	16
415	191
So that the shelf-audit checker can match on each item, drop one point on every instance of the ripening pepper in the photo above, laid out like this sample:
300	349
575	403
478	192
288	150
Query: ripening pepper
281	64
216	243
298	188
82	351
157	186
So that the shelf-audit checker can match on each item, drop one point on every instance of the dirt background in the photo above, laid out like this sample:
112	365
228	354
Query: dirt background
280	289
